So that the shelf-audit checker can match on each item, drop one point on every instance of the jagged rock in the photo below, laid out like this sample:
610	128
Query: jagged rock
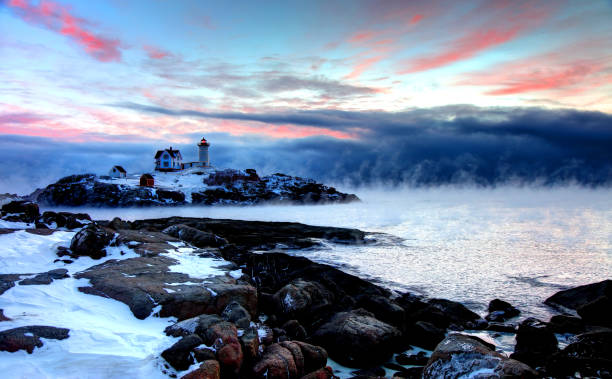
179	355
209	369
28	337
46	277
425	335
194	236
534	343
20	210
235	313
500	311
357	339
461	356
53	220
91	241
290	359
223	337
249	341
589	356
576	297
191	325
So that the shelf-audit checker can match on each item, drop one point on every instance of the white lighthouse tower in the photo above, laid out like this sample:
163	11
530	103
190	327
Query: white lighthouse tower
203	153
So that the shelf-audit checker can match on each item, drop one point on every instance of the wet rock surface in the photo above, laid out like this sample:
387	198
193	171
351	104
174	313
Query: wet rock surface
460	355
281	315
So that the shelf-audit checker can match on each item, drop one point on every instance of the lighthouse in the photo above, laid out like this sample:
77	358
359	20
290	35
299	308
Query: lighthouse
203	153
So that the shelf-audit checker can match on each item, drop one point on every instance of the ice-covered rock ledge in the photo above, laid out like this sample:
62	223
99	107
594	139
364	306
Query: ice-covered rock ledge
192	186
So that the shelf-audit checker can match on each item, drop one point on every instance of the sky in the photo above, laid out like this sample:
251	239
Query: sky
424	92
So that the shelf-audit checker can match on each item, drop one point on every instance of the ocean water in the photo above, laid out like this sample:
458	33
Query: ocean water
464	244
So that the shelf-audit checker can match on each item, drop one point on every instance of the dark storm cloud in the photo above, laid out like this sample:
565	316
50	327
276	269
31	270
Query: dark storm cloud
448	145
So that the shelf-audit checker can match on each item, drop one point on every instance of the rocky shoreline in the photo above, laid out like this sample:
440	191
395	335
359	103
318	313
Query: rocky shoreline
234	187
274	315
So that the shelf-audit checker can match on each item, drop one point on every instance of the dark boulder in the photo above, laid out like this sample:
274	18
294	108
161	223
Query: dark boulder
449	314
235	313
589	356
223	337
597	312
384	309
500	311
576	297
53	220
425	335
566	324
300	299
28	337
357	339
534	343
249	340
295	330
46	277
91	241
462	356
20	210
290	359
179	355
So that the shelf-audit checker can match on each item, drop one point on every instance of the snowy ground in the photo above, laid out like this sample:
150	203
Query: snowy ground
186	181
106	340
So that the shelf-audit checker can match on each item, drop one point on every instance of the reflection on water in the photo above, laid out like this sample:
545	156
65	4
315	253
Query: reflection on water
470	245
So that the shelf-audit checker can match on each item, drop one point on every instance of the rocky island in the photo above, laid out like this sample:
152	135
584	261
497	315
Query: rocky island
197	186
242	305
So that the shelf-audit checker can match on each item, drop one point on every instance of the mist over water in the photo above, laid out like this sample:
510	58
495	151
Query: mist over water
465	244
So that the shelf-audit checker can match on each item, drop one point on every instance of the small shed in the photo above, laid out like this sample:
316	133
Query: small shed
117	172
146	180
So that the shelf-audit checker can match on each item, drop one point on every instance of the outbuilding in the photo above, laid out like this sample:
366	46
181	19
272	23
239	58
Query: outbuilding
146	180
117	172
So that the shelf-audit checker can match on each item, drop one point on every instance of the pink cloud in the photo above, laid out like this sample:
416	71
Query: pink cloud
416	19
58	18
361	37
541	73
461	49
504	21
156	53
362	66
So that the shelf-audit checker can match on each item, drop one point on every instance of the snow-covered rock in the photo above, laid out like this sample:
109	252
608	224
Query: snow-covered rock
206	187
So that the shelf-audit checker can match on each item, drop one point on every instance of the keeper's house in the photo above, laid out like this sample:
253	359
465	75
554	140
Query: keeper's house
168	160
